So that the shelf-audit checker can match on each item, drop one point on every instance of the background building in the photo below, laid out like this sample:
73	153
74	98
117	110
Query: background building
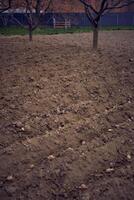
73	11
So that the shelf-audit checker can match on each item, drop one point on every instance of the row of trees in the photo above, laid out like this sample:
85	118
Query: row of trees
33	9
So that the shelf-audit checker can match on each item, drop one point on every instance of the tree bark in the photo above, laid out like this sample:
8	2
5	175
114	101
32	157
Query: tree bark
30	34
95	38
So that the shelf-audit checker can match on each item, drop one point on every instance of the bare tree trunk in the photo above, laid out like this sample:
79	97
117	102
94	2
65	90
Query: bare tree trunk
30	34
95	38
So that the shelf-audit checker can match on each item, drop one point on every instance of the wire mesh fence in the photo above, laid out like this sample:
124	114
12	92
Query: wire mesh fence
75	19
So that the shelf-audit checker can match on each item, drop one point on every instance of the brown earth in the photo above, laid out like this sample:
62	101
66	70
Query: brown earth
66	117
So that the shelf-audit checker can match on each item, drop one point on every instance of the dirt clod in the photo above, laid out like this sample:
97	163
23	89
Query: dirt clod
83	186
51	157
9	178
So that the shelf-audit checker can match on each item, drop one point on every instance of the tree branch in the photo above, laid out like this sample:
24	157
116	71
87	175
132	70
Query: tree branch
94	14
5	6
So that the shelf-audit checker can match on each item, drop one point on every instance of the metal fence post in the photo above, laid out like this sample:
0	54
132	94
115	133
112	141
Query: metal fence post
54	22
117	23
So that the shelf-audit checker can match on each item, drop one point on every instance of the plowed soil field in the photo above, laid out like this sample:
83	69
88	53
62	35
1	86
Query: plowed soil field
67	117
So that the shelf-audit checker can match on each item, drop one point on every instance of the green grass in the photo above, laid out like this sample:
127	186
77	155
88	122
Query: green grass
9	31
12	31
109	28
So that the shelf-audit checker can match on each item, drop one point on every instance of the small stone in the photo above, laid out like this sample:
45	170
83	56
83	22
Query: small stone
110	170
83	154
110	129
70	149
10	178
106	111
18	124
32	166
51	157
1	184
83	186
111	164
128	156
22	129
131	60
39	86
58	111
31	79
117	125
83	143
27	127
